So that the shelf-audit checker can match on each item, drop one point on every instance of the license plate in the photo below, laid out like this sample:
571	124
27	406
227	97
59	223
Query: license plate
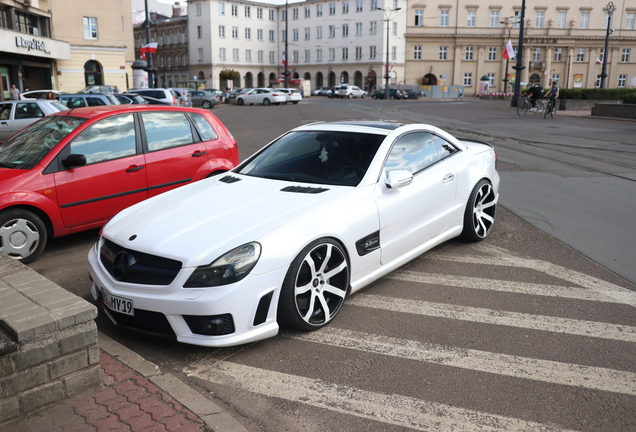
117	304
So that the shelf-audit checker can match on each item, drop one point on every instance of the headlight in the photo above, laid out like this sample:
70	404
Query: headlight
230	268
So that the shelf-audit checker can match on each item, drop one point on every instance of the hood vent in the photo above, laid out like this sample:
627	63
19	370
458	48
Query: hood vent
304	189
229	179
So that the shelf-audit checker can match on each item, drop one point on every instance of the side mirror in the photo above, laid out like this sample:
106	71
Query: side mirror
74	160
398	178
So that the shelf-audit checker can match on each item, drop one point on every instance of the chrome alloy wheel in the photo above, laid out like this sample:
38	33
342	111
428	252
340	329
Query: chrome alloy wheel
479	216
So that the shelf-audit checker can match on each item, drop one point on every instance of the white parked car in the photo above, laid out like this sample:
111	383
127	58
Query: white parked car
286	236
349	91
291	95
40	94
17	114
263	96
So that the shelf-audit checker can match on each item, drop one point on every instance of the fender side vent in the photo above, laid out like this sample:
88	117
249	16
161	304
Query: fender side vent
229	179
368	244
304	189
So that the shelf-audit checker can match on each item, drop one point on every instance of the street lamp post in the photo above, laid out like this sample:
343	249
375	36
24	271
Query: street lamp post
519	67
610	8
509	25
149	69
387	16
286	73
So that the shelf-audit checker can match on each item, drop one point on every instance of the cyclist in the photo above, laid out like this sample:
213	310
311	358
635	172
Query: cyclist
533	93
553	94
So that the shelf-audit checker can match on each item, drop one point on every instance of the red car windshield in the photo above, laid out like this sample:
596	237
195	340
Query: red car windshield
28	147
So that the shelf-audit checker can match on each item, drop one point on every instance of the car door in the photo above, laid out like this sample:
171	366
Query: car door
196	97
6	114
113	178
174	154
25	113
415	213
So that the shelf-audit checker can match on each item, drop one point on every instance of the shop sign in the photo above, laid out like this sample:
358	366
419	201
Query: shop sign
31	44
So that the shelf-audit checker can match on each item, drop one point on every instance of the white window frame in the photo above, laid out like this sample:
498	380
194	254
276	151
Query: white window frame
471	18
417	52
469	53
468	79
90	28
443	53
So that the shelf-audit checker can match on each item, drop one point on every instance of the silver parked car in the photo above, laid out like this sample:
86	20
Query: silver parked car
18	114
203	99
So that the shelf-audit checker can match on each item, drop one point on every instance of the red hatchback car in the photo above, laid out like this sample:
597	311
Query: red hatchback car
74	171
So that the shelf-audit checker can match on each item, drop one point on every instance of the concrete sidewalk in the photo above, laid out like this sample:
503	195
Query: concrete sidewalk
136	396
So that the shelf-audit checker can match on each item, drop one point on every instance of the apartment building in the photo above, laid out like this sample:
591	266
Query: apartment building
462	42
328	42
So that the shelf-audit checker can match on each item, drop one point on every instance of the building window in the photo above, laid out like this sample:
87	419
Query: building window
472	18
260	55
345	53
332	31
248	55
200	54
417	52
494	18
90	27
393	53
248	12
295	34
492	53
283	35
272	36
629	24
199	32
319	55
272	17
395	28
556	78
536	54
358	29
332	8
443	53
332	54
345	30
198	9
283	15
318	32
491	79
469	53
419	18
259	14
558	54
468	79
561	19
443	18
580	55
271	56
221	53
372	51
235	10
248	33
319	10
374	4
540	20
358	5
307	33
373	28
235	54
221	31
345	7
295	13
517	21
622	80
358	53
585	20
294	56
625	55
221	8
307	12
259	34
234	32
307	56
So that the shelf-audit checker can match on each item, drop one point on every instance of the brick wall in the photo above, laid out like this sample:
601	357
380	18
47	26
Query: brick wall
48	342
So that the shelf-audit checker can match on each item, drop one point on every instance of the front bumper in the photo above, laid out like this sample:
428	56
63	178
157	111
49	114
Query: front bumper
251	304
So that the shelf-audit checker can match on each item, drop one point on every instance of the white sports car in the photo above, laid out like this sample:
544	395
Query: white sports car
283	238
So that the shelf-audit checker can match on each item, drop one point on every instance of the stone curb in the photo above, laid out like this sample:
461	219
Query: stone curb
212	414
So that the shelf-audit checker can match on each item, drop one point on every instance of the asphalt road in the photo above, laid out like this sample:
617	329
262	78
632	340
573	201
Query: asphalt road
525	331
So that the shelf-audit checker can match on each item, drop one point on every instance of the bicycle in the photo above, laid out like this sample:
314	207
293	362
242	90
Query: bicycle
550	109
524	104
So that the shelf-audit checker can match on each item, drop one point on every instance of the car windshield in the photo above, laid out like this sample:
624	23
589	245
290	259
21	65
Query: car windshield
323	157
28	147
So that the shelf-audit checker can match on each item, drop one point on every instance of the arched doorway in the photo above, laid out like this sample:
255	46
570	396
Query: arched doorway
272	80
249	80
261	79
201	76
535	78
93	73
344	77
331	79
429	79
357	79
371	81
319	80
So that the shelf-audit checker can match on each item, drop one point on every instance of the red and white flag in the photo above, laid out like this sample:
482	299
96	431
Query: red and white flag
150	48
284	62
599	61
509	52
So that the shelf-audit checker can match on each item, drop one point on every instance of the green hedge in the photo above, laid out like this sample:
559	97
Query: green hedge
626	95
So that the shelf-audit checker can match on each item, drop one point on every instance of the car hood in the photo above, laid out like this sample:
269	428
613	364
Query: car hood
9	173
197	223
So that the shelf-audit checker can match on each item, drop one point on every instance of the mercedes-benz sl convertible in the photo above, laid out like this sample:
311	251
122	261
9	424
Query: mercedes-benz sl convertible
285	237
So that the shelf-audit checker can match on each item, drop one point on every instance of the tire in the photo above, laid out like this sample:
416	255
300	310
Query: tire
266	102
207	104
479	216
240	102
362	96
23	235
315	286
295	102
539	108
522	106
350	96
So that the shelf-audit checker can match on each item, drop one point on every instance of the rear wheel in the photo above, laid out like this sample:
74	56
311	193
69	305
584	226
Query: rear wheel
240	102
266	102
315	286
350	96
479	215
207	104
22	235
522	106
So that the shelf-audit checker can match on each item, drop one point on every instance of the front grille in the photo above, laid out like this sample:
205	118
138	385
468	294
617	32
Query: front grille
145	321
131	266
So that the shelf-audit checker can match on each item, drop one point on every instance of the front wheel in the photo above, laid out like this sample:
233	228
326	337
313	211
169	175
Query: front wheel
315	286
207	104
266	102
362	96
240	101
479	215
522	106
22	235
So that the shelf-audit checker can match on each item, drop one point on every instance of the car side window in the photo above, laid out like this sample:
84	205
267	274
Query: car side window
28	110
444	148
73	102
413	152
204	127
108	139
93	101
5	111
166	130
